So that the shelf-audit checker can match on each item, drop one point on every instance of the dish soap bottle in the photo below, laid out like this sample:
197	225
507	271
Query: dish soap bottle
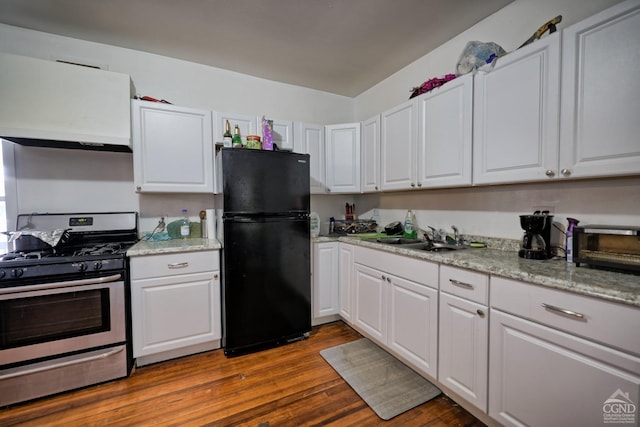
184	225
409	229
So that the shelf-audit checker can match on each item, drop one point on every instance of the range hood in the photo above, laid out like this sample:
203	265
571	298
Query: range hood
53	104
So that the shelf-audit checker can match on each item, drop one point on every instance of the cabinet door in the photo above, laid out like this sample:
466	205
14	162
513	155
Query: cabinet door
516	115
345	260
444	134
172	148
464	348
343	158
413	323
370	313
370	158
326	298
398	141
282	134
174	312
544	377
601	94
309	139
246	125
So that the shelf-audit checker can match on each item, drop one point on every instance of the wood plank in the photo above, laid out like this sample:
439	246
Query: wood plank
290	385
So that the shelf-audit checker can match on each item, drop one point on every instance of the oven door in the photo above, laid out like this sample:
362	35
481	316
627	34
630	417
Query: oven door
46	320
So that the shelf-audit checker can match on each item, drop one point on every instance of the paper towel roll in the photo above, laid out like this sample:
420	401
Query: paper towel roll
211	224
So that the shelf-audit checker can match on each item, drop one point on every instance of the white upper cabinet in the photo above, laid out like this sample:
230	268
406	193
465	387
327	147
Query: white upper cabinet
343	158
601	94
282	133
172	148
445	134
309	139
370	155
398	136
516	115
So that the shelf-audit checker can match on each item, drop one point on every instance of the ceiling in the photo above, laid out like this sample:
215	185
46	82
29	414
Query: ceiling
338	46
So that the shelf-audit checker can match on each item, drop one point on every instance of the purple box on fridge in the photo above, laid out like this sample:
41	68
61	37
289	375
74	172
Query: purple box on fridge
267	134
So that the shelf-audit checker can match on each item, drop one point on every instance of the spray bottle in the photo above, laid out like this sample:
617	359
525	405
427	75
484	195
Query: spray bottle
569	238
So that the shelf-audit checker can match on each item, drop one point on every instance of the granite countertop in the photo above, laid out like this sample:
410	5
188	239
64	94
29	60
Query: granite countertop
553	273
144	247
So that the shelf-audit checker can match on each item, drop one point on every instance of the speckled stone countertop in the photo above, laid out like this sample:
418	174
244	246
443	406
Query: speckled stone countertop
144	247
554	273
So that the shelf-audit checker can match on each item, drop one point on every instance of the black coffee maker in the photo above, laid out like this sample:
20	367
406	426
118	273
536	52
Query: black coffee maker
536	242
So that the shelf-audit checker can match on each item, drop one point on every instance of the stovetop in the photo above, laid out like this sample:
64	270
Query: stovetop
97	244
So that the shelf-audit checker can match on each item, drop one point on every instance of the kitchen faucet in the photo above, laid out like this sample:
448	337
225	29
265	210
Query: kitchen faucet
456	234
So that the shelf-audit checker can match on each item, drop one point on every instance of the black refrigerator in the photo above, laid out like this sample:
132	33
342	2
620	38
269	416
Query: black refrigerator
266	274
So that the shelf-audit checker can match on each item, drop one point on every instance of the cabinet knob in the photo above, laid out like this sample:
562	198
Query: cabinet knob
550	173
328	190
138	188
389	279
480	312
413	184
419	184
376	188
215	276
384	278
565	172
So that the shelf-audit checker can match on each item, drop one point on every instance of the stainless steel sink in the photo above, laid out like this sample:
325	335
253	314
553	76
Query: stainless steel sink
418	244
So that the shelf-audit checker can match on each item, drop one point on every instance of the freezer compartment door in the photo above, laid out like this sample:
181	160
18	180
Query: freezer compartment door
266	282
263	182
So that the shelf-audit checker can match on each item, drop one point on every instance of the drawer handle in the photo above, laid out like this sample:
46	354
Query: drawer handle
461	284
563	311
178	265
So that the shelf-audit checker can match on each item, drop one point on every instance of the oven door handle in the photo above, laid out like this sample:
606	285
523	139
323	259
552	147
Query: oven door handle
56	285
63	364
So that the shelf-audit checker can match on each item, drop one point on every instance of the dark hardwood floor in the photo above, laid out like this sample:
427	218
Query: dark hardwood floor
290	385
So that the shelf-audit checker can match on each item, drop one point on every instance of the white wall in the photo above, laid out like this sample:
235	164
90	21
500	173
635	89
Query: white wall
508	27
71	180
47	178
494	210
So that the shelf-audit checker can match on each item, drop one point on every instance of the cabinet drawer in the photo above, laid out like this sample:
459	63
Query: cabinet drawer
417	270
464	283
174	264
604	321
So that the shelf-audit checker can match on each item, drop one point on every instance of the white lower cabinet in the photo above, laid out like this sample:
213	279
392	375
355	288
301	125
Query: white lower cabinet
175	305
346	288
464	333
556	358
413	323
370	312
326	298
396	305
464	348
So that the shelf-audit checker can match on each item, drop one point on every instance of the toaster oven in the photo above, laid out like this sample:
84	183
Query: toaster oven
608	246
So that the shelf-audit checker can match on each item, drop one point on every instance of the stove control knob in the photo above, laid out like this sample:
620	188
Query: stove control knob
17	272
82	266
97	265
2	274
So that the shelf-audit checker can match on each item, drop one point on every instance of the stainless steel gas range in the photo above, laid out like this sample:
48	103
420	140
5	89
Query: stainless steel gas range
64	306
